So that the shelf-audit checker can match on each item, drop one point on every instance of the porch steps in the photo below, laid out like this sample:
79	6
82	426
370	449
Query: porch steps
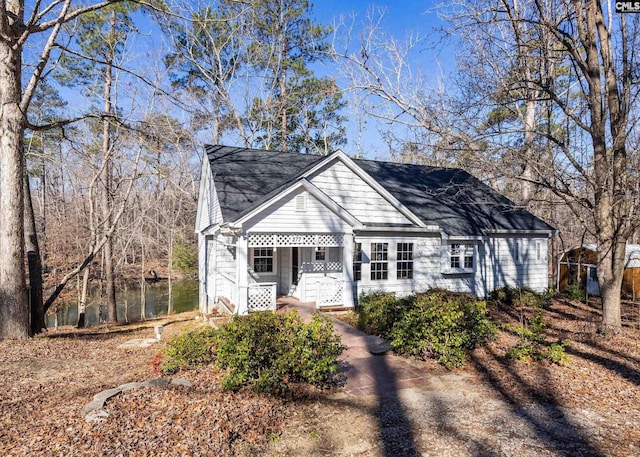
226	306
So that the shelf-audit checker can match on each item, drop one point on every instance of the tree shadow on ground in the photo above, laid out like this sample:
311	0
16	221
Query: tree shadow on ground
539	407
395	429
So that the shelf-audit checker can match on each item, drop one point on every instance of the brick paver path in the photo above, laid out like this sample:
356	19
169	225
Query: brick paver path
369	369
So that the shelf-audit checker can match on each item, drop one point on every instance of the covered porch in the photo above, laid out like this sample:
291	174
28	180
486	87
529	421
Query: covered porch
313	267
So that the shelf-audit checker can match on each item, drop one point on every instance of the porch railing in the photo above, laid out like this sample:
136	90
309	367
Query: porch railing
262	296
329	292
227	288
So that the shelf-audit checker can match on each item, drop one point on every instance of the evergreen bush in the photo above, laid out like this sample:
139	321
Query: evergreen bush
265	351
436	324
269	351
189	350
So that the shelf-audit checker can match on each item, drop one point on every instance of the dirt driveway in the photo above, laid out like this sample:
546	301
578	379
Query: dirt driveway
453	416
495	406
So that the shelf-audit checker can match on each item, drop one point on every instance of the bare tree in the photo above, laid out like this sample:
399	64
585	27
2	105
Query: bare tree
588	90
17	26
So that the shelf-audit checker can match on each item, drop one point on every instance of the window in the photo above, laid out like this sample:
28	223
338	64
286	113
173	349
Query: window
263	260
461	256
321	254
357	261
404	262
538	250
379	261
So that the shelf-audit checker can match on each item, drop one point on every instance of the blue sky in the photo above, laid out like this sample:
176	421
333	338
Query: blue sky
400	18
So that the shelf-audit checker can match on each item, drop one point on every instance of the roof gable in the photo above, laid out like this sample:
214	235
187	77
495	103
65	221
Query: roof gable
352	188
283	211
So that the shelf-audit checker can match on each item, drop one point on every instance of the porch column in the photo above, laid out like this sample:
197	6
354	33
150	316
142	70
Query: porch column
347	269
242	275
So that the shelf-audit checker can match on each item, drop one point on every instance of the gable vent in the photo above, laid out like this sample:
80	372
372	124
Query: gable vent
301	203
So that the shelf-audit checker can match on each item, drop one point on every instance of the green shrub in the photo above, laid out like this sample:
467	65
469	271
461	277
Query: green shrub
532	342
378	312
574	292
437	324
189	350
185	259
518	297
268	351
443	326
556	353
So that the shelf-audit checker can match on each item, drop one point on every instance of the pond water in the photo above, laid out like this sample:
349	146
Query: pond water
185	298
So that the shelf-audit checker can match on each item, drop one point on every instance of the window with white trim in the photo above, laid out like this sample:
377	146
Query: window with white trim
263	260
461	256
538	251
404	260
379	261
357	261
321	254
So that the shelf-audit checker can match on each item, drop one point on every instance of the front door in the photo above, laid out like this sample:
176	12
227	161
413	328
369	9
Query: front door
294	266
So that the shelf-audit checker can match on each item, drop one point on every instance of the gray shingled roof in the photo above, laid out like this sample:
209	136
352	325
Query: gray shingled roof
450	198
245	178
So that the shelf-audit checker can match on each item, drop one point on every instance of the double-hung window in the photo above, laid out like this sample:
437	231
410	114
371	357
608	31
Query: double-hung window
357	261
404	260
461	256
263	260
379	261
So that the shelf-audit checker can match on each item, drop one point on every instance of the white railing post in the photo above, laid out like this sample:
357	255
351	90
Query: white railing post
347	270
274	291
242	265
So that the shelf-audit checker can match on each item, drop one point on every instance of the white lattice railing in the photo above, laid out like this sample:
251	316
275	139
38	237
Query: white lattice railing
329	292
322	267
262	296
295	239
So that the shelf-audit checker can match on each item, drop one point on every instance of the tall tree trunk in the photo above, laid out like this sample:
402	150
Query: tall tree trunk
34	261
283	109
82	305
14	305
527	188
170	276
143	287
109	273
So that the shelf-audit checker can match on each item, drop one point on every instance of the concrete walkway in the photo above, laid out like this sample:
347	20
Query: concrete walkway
369	368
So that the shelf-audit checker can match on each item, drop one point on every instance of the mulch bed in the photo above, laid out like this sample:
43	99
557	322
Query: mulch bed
46	381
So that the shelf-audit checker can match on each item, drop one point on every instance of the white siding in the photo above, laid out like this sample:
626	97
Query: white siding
209	212
495	265
224	268
508	261
283	216
356	196
202	272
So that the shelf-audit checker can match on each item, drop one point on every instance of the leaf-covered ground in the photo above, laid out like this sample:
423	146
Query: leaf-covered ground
493	406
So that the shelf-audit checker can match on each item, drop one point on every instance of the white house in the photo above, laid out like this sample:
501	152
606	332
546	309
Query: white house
327	229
